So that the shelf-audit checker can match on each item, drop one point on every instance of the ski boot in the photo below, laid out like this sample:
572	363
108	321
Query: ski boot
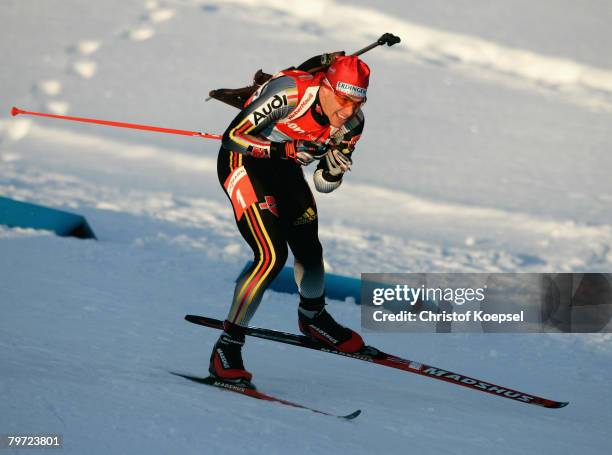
226	358
315	322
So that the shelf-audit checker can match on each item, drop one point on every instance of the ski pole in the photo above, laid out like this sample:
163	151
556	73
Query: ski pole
135	126
327	59
387	38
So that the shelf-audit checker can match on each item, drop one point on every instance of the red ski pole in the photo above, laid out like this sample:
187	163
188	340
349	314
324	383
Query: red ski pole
135	126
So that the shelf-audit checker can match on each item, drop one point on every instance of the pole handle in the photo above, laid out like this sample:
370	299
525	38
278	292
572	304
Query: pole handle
387	38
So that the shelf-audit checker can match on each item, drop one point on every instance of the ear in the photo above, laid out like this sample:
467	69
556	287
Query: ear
324	93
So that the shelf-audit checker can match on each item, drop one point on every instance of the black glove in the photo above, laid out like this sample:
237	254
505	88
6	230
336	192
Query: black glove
301	151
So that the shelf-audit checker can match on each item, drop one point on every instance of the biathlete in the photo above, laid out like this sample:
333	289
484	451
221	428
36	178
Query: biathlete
290	121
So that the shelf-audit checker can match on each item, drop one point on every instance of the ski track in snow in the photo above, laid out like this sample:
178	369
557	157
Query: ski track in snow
81	64
50	87
58	107
155	14
85	68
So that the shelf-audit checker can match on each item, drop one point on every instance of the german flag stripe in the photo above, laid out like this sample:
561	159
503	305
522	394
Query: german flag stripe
253	139
240	134
258	270
268	269
233	317
253	285
235	161
236	134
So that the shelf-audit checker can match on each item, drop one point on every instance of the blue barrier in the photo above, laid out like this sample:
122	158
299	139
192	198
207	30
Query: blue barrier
337	287
23	214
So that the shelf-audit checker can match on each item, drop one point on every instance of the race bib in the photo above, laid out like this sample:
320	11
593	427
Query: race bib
240	190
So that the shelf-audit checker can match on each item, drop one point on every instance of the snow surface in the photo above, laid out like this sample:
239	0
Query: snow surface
487	148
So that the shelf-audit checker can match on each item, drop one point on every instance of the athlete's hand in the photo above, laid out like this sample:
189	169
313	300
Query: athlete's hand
337	162
301	151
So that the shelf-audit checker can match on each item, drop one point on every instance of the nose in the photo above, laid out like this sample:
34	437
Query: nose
348	110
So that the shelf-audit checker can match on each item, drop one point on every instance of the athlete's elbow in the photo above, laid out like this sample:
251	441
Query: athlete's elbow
227	142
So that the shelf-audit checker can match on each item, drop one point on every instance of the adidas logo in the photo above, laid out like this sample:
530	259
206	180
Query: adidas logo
307	217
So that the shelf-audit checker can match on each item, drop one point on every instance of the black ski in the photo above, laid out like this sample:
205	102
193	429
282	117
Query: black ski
371	354
254	393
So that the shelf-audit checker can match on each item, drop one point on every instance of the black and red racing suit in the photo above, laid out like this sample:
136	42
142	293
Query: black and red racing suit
273	205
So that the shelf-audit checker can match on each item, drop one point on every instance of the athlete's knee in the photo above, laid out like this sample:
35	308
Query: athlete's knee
309	254
273	258
315	254
281	253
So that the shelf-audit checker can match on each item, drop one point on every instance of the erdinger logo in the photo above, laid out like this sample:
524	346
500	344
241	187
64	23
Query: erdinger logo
351	90
263	112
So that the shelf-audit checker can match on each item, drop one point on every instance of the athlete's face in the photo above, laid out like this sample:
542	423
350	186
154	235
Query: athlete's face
337	107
